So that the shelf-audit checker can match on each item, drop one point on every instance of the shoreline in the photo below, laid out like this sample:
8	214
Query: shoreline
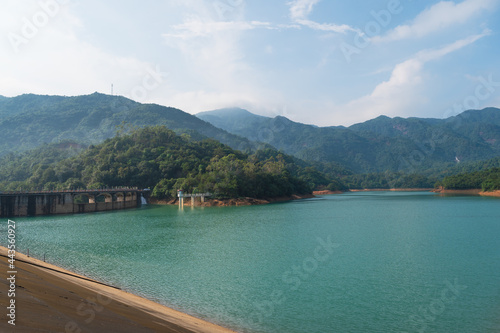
232	202
491	194
393	190
49	298
476	192
326	192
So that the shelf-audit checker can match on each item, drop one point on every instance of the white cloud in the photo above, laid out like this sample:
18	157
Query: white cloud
442	15
343	28
196	27
402	94
429	55
301	9
213	55
216	67
208	63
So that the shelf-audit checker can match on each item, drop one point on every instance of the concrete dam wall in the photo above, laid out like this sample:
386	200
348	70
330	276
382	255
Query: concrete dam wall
67	202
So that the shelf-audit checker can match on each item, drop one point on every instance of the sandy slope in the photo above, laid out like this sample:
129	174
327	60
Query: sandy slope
51	299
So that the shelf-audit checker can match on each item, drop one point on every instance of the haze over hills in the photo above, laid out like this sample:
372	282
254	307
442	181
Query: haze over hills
378	145
28	121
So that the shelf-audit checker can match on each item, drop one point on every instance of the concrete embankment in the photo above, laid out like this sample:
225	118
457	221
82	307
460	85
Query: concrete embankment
13	204
47	298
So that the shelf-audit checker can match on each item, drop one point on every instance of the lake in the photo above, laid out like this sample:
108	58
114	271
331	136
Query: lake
354	262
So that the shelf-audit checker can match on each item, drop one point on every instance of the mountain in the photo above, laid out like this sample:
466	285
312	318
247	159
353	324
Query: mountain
411	145
239	120
378	145
27	121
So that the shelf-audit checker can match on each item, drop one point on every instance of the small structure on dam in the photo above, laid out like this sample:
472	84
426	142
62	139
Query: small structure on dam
68	202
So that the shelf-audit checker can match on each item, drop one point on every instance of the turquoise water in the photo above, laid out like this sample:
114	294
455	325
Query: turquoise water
357	262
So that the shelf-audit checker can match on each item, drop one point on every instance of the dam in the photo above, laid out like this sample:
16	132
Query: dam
36	203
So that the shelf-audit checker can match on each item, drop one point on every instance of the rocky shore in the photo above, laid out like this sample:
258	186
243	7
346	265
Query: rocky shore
469	192
231	202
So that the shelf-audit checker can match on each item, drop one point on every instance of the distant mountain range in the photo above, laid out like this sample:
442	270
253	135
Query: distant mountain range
378	145
28	121
412	145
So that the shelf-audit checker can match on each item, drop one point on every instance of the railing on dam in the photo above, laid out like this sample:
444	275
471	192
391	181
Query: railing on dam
111	189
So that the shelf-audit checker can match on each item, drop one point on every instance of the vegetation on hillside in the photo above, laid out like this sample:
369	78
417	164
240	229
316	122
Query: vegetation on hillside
468	167
165	162
380	153
398	145
28	121
19	171
425	179
388	180
157	158
487	180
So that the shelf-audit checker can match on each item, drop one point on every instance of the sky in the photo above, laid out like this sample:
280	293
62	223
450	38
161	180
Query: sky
321	62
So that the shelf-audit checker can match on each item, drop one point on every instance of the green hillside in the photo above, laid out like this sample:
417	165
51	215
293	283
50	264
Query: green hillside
28	121
379	153
156	157
413	145
487	180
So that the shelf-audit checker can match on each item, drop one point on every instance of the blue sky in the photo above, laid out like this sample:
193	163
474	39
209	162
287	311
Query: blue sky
321	62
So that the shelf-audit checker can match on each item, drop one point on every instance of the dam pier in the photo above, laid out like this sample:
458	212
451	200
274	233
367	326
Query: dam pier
36	203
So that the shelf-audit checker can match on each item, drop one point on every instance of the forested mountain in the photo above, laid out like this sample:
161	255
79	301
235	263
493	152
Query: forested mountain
379	153
156	157
487	180
28	121
378	145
